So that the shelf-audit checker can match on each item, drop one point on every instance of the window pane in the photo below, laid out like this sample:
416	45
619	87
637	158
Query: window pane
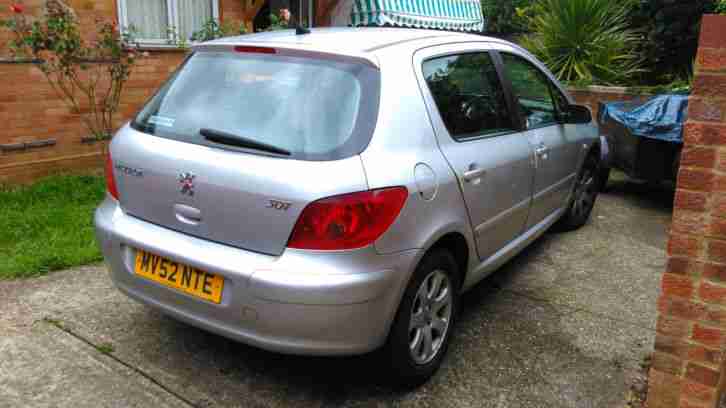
531	91
192	16
468	94
560	101
315	109
148	17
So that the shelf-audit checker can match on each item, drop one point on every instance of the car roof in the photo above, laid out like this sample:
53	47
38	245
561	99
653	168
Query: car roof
354	40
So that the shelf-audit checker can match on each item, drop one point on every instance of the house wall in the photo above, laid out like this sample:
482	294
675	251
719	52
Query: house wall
30	110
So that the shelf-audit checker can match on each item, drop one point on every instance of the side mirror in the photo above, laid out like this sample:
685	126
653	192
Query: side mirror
578	114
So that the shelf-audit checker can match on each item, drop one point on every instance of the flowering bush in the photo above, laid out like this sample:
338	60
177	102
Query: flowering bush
88	75
212	30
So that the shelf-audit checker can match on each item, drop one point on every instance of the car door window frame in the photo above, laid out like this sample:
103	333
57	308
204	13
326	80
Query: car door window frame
506	89
551	88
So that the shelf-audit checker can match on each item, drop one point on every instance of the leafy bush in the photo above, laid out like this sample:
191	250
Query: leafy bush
584	40
721	7
670	36
212	30
505	16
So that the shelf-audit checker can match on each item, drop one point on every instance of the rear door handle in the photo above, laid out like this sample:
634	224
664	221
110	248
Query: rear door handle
473	173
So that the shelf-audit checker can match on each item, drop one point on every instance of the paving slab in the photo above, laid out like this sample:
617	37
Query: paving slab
509	351
565	324
47	367
611	267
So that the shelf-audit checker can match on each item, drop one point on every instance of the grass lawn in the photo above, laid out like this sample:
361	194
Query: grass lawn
48	225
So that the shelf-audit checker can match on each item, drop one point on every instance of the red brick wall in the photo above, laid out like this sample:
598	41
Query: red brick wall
593	95
688	364
31	111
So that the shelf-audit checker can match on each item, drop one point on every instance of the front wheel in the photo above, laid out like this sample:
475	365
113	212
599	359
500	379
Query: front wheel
424	322
603	179
583	197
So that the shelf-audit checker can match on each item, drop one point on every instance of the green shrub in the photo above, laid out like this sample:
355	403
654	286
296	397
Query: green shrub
670	36
505	16
211	30
721	7
584	40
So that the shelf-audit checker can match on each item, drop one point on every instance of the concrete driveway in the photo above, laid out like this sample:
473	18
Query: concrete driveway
565	324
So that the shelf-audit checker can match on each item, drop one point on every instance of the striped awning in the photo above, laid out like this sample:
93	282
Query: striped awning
459	15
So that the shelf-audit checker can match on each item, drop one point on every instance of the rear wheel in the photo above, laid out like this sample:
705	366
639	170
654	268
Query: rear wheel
583	198
424	322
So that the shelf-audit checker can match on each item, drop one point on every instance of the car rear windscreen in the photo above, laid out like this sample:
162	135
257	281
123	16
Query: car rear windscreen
316	109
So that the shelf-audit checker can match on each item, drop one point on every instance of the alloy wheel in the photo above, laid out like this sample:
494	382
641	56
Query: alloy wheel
585	191
430	317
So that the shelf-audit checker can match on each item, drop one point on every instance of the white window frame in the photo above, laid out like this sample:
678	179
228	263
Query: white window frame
310	11
173	21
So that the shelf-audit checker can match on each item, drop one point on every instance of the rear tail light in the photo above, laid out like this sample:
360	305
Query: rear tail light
110	180
347	221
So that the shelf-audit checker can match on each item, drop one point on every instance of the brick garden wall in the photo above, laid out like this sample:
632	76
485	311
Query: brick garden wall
593	95
688	364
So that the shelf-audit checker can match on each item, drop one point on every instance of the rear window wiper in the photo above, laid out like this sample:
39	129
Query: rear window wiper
221	137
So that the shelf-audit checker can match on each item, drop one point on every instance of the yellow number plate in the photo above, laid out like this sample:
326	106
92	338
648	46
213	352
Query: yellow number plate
181	277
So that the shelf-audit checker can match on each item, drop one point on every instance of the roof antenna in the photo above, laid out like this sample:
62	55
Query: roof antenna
300	30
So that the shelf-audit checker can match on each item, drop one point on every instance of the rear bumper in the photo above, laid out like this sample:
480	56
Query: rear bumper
301	302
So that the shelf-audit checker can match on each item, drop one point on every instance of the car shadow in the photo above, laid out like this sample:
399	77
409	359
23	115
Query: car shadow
330	379
641	194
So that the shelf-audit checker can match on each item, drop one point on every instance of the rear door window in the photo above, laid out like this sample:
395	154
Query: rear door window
468	94
316	109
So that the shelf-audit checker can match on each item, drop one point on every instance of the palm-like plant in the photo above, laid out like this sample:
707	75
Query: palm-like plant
584	40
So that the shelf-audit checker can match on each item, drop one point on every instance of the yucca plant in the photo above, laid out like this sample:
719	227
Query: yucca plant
584	40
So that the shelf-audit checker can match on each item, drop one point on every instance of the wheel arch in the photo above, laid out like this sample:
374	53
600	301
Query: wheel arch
457	244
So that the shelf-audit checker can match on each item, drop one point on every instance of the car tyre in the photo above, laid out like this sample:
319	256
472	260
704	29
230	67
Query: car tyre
604	178
585	193
424	322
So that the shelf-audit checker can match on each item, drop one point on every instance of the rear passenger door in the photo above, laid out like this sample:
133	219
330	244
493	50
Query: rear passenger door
540	105
472	117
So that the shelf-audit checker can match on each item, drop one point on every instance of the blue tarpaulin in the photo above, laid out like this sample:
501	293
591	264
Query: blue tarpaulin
660	118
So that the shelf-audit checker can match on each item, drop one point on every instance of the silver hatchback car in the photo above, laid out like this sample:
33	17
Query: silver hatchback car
334	192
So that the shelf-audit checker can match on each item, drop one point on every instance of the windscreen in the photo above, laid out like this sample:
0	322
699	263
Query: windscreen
316	109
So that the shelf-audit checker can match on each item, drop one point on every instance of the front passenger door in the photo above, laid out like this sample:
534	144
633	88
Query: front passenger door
540	105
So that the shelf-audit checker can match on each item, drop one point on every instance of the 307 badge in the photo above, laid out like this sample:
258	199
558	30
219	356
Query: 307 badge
178	276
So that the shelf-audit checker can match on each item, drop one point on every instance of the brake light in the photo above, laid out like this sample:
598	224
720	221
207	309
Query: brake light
110	180
255	49
347	221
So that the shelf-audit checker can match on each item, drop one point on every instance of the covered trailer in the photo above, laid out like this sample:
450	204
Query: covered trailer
645	141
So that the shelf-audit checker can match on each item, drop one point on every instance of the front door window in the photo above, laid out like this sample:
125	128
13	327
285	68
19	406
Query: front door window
532	92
